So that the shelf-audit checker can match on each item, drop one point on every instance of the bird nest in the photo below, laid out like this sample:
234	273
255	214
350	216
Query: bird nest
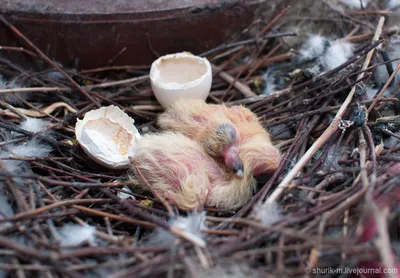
331	104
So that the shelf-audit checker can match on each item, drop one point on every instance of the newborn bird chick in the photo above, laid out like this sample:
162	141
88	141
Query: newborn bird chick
256	148
211	128
182	172
201	121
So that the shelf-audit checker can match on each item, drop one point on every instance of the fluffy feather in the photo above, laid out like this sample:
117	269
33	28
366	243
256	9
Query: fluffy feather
192	224
32	148
124	195
328	54
73	234
337	53
10	98
268	213
34	124
13	166
393	4
313	47
269	81
55	75
179	169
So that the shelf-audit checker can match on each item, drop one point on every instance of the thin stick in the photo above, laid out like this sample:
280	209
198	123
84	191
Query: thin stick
370	141
60	89
388	82
34	89
20	49
119	82
48	60
44	112
247	42
155	193
363	159
382	242
244	89
148	217
13	110
127	67
330	130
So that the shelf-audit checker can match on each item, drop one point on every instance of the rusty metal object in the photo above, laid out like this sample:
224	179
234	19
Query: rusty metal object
93	33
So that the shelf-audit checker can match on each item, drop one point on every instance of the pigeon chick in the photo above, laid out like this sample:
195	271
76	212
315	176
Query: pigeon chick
209	127
183	173
234	131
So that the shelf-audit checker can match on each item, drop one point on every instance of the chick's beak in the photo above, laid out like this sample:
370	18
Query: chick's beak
238	168
233	161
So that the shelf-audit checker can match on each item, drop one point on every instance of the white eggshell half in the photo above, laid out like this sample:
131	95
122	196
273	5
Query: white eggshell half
108	136
180	75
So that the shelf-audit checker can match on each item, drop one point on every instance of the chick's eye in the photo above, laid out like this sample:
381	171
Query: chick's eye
227	133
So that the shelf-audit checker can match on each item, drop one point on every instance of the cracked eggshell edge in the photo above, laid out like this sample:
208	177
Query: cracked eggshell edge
167	93
115	115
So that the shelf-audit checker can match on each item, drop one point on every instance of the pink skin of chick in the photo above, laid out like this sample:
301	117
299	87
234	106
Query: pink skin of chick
182	172
231	157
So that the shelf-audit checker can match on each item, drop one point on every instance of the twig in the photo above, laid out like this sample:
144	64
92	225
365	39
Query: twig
388	82
247	42
112	60
127	67
20	49
382	242
44	111
48	60
33	89
371	144
31	134
13	110
119	82
329	131
64	183
362	146
365	12
352	199
155	193
174	230
244	89
60	89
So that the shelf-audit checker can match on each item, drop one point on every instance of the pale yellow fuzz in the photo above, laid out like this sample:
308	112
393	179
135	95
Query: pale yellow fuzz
180	170
198	120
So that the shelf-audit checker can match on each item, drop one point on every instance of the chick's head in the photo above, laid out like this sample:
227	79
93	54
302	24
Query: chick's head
223	141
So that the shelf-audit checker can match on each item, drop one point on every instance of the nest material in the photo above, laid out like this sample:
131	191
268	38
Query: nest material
340	209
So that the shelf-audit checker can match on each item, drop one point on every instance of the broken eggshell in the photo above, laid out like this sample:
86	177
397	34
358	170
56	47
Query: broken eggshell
108	136
180	75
